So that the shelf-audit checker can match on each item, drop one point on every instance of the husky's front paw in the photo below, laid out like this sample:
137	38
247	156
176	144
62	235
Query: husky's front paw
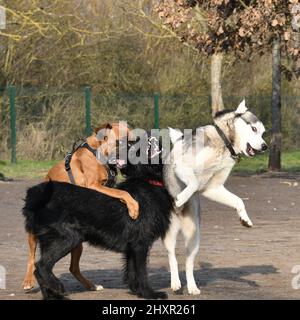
180	201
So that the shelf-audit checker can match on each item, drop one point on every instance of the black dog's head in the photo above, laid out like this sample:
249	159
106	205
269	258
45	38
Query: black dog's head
152	169
145	171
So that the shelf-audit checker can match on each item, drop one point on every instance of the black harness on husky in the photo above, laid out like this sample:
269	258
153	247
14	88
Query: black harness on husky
228	144
111	172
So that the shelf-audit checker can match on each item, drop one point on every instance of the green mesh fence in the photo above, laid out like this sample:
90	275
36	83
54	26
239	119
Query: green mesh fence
49	120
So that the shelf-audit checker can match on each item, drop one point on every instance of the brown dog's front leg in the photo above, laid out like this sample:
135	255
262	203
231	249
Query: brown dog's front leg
132	205
75	269
124	196
29	280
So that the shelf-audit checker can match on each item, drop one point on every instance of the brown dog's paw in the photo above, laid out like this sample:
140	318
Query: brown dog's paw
28	284
133	209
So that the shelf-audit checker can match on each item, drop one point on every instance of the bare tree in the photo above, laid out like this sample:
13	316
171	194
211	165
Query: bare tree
243	28
216	83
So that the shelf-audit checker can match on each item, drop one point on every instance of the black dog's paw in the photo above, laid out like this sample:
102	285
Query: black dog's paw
161	295
54	294
155	295
60	289
51	295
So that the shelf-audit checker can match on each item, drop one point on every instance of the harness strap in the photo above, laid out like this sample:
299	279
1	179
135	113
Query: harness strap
228	144
68	166
111	173
87	146
111	177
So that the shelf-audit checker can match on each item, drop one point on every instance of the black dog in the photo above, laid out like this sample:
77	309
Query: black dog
62	215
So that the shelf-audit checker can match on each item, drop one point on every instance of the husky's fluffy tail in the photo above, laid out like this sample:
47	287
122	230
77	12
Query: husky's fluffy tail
36	198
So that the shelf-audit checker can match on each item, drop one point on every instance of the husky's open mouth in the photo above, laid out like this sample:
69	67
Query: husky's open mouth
251	151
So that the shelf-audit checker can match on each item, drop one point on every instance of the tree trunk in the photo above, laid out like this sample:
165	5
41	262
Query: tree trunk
216	87
275	145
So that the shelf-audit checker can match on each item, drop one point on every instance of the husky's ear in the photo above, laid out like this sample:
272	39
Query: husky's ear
241	108
175	134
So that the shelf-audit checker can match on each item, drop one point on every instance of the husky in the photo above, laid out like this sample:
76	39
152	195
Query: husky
233	133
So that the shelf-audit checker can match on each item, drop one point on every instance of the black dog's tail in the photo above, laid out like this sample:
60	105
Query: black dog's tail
36	198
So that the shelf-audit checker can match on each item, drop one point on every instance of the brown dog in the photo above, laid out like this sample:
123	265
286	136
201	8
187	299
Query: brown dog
89	173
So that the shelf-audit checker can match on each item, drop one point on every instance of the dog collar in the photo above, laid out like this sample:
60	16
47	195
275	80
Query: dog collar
156	183
228	144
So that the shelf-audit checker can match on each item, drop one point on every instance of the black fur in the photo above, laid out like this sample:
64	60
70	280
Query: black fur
221	113
62	215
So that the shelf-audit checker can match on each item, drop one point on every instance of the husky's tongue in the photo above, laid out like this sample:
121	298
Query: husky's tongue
250	150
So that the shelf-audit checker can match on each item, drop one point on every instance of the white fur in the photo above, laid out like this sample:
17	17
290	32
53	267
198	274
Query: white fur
248	136
188	223
175	134
242	107
205	172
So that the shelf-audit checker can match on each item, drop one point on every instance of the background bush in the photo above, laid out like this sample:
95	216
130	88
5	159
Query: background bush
121	50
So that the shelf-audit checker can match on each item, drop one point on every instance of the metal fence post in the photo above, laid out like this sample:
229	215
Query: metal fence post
156	110
88	95
12	111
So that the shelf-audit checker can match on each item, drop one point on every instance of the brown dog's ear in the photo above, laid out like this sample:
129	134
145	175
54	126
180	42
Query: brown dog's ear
103	126
101	132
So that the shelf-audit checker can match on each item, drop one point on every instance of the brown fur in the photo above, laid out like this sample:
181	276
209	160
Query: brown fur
89	173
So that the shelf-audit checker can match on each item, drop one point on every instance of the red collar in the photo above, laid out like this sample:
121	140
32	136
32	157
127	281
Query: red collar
156	183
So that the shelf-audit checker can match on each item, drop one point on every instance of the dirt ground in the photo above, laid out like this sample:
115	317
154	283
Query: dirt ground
234	262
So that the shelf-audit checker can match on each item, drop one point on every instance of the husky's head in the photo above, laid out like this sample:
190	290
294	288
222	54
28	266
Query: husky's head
246	130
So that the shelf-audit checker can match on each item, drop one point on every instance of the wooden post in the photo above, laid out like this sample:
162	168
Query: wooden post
13	134
275	145
216	87
156	111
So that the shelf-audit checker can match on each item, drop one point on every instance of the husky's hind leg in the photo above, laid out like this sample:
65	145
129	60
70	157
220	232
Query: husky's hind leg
170	244
190	227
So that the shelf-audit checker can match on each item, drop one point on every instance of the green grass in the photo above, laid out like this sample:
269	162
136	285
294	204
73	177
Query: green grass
26	169
259	164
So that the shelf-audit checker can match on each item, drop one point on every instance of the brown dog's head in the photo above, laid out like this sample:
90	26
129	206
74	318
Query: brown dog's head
110	136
